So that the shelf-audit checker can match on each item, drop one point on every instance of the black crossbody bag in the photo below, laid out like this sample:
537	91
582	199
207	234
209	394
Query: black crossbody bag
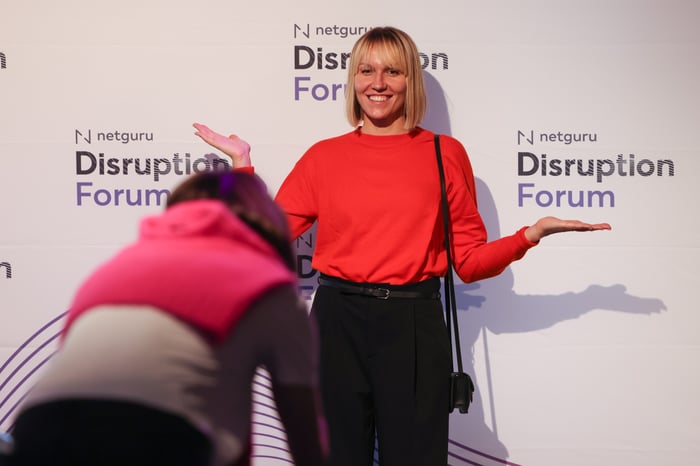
461	385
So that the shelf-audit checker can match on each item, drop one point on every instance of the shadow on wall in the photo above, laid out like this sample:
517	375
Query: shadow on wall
493	305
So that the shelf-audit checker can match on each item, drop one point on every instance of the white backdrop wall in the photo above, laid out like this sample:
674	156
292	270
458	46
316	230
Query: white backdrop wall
584	352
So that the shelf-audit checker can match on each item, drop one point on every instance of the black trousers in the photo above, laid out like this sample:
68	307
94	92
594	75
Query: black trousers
106	433
385	368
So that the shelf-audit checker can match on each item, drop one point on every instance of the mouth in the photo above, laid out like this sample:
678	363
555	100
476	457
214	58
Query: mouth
378	98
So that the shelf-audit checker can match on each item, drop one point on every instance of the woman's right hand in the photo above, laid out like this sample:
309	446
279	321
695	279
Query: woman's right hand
233	146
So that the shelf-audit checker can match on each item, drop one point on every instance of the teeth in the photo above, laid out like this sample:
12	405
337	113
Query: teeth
377	98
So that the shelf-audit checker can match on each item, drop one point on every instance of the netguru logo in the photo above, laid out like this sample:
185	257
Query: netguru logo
88	163
318	58
92	165
304	269
5	270
305	272
598	169
343	32
124	137
555	136
3	61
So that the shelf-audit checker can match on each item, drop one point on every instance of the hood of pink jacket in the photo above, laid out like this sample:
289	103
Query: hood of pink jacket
196	261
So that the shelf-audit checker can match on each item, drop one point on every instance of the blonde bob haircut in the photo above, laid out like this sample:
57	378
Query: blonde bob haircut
396	49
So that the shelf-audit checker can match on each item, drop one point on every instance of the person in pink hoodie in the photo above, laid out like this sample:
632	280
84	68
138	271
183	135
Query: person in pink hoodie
162	341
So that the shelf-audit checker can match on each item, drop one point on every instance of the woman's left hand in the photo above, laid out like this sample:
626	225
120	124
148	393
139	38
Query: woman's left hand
549	225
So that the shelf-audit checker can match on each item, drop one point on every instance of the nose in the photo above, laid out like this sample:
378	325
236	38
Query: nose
378	83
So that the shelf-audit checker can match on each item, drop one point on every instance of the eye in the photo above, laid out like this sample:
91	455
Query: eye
365	70
394	72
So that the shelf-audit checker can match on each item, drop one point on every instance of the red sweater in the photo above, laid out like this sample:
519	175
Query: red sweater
377	202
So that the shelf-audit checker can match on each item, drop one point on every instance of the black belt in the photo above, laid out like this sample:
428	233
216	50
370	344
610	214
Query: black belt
378	292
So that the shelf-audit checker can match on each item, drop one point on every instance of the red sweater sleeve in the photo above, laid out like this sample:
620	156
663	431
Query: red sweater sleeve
297	197
249	169
475	258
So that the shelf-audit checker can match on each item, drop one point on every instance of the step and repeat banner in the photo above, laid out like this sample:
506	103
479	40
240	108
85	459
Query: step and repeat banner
585	352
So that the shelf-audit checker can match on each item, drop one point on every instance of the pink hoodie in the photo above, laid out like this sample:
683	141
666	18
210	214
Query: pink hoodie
196	261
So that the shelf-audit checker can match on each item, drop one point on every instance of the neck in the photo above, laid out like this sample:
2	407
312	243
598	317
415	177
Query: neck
382	128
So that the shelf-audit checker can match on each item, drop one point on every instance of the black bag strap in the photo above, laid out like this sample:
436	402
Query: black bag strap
450	301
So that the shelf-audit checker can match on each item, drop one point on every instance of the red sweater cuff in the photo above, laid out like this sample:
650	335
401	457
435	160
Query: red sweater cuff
250	170
523	239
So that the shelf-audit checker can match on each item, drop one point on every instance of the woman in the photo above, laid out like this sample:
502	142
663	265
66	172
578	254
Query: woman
375	193
162	341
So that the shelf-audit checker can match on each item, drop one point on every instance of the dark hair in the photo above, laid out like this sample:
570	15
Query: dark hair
247	197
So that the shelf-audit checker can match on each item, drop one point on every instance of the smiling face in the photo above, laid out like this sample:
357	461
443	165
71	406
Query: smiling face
385	88
380	89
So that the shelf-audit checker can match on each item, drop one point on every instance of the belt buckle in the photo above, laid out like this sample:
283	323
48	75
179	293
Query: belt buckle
386	292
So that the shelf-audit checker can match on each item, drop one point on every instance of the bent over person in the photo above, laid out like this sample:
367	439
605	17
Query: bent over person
162	342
